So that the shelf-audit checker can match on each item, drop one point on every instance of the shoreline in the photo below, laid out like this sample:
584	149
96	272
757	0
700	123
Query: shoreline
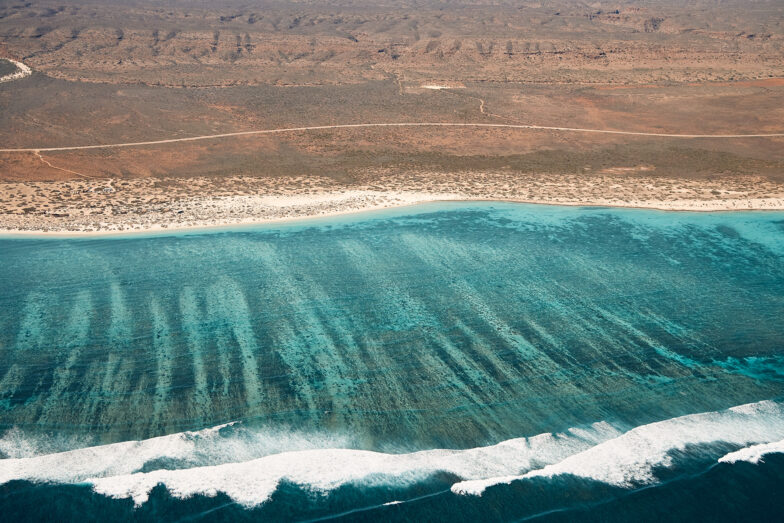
687	206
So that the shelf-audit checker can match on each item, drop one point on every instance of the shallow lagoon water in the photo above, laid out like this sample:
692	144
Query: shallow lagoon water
540	333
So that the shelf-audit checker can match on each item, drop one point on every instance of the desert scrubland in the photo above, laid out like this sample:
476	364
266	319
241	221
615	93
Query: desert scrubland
107	73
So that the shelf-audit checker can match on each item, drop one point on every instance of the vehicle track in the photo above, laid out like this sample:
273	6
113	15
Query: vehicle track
371	125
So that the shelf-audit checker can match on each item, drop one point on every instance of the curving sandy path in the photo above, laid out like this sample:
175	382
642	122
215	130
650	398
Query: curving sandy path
22	72
44	160
367	125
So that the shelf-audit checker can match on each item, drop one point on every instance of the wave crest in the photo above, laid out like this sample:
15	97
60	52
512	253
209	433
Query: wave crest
249	464
754	454
630	459
216	460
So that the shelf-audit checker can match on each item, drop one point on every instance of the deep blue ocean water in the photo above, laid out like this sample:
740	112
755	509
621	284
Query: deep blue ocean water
412	364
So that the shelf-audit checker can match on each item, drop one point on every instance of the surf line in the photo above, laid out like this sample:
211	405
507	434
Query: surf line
371	125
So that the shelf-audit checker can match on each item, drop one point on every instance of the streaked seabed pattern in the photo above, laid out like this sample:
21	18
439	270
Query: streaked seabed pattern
444	362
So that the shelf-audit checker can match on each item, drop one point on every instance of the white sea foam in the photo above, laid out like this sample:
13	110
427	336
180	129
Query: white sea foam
630	458
248	465
15	443
30	458
755	453
116	469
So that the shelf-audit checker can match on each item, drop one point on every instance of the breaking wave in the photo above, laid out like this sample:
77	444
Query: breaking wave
248	465
755	453
630	459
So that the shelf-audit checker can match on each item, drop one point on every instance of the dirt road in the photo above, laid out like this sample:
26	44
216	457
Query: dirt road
370	125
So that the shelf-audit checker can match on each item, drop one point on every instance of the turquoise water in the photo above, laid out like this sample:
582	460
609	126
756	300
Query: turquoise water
441	326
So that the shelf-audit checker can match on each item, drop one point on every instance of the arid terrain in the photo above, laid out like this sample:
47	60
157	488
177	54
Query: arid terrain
121	72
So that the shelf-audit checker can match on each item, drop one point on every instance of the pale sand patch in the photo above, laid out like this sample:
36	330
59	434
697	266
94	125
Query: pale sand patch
22	72
439	87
